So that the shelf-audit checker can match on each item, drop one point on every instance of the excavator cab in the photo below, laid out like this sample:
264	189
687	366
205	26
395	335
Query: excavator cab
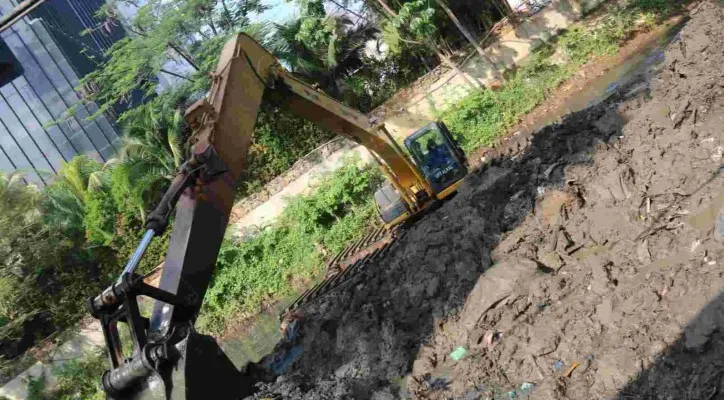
440	160
438	157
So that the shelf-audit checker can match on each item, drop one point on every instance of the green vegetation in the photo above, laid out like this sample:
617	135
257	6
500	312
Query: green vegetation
272	153
62	244
483	116
42	269
77	379
67	241
310	230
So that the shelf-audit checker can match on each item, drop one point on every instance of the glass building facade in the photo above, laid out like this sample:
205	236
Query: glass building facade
42	58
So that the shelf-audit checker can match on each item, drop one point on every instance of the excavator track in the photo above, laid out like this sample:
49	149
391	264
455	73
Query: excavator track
348	264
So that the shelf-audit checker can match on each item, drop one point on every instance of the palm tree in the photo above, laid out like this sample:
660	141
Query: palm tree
24	249
154	141
327	64
66	197
152	153
150	156
18	202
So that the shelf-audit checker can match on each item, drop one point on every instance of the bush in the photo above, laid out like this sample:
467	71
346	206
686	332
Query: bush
77	379
33	269
280	139
115	221
80	379
481	117
59	246
311	229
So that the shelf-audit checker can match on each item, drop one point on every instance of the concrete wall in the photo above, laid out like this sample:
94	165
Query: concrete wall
403	114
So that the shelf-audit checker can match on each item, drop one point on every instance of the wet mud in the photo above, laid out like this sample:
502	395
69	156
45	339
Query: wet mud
583	261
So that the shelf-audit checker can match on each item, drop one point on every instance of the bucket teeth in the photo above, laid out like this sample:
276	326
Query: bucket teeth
348	264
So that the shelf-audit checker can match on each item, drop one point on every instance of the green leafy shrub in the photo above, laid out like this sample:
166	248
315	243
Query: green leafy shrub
77	379
67	242
80	379
116	221
45	272
100	218
36	388
482	116
280	139
311	229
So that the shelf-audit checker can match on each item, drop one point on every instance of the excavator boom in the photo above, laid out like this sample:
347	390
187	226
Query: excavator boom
168	356
225	123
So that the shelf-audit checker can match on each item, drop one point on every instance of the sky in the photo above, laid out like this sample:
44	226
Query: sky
279	11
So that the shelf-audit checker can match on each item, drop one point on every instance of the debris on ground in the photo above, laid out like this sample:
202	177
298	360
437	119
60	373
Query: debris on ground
584	265
458	353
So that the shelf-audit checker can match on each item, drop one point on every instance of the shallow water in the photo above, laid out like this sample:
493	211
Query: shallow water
647	60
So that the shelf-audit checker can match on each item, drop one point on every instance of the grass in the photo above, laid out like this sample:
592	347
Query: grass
76	380
311	229
482	117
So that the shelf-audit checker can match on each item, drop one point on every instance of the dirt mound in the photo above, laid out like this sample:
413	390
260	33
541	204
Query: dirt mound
583	263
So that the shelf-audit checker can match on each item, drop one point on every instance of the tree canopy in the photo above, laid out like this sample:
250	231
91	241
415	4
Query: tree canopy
187	33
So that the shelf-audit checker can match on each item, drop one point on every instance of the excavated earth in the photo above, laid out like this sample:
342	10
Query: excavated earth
584	262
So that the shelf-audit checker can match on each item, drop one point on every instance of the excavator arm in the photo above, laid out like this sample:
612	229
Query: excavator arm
224	123
169	359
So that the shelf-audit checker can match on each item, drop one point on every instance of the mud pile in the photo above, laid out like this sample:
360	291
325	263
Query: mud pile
584	262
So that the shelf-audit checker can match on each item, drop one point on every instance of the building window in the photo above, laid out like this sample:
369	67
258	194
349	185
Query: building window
10	68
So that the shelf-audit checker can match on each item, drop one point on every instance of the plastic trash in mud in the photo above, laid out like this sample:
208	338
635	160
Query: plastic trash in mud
719	226
570	370
475	393
558	364
281	362
520	392
459	353
288	350
612	87
439	384
291	325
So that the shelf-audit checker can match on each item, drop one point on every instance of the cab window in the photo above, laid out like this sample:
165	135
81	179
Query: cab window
431	153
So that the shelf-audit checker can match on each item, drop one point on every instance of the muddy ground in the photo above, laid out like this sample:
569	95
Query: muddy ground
585	262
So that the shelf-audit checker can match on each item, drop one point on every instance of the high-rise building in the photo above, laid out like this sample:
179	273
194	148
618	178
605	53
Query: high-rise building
42	58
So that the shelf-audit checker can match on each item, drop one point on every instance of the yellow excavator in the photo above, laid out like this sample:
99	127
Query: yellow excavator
168	359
